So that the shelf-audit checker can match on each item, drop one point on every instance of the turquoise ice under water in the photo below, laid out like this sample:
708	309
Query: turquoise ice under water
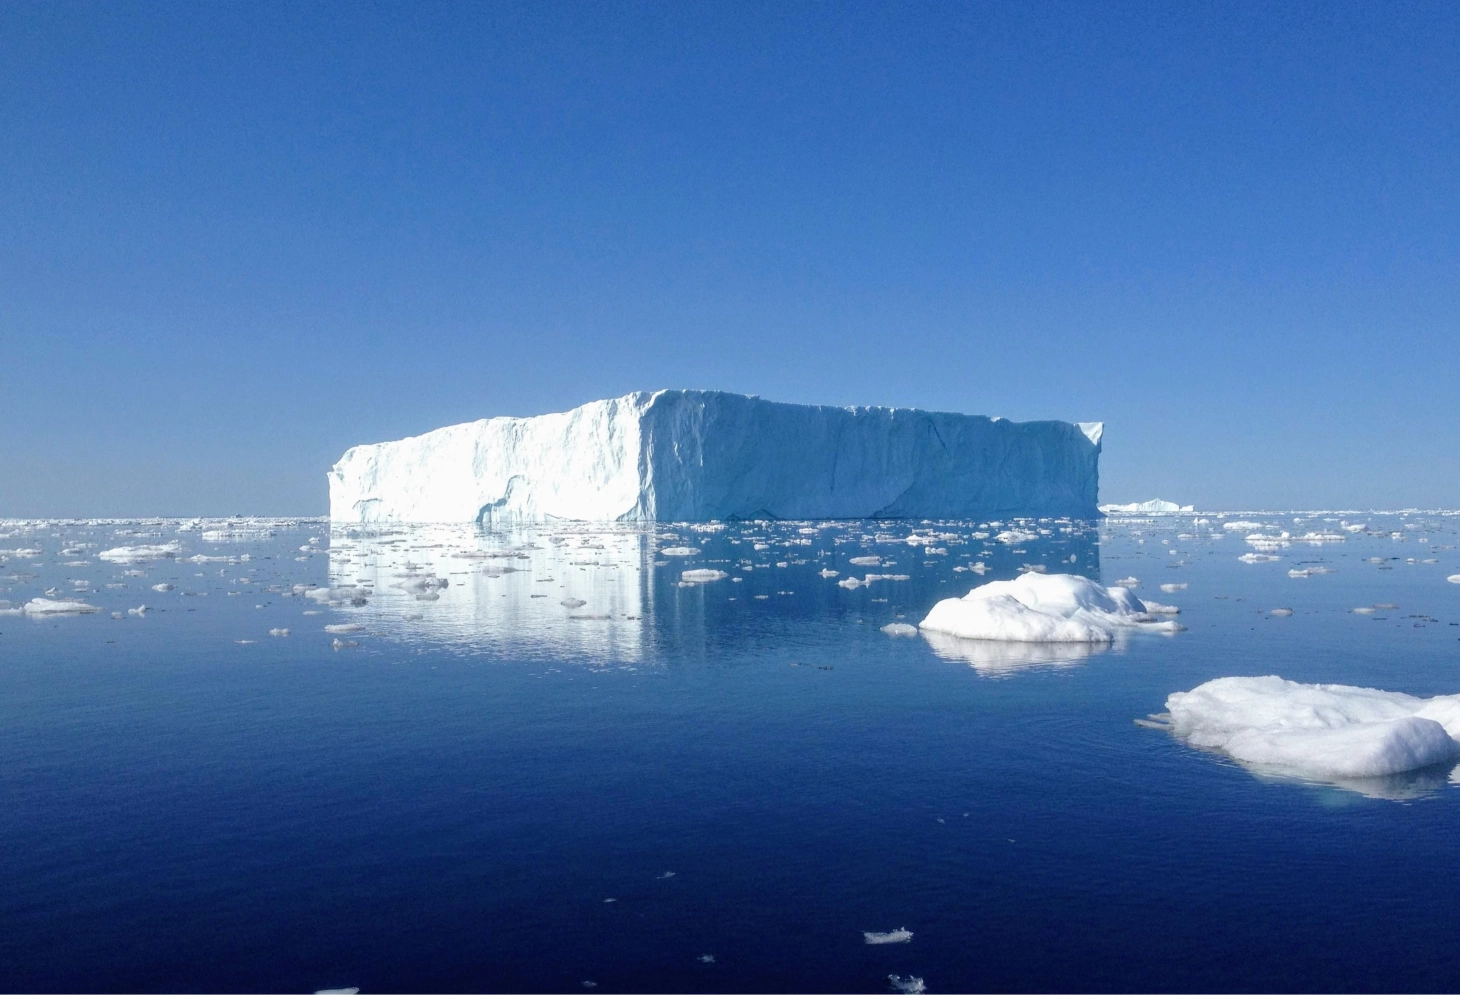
535	760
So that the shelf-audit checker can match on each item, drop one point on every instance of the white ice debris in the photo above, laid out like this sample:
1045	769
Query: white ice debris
1245	526
900	629
909	985
162	588
1013	537
141	554
899	935
689	455
278	632
1454	578
344	628
1326	730
679	551
1259	558
1043	608
865	561
45	606
702	576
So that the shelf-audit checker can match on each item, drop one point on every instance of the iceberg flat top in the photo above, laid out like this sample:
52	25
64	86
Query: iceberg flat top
689	455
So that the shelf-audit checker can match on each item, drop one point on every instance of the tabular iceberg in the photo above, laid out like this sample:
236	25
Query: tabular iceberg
691	455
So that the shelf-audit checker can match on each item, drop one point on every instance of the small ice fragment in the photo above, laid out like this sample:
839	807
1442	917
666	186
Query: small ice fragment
1281	611
607	900
900	629
139	610
829	573
702	576
866	561
343	628
908	986
679	551
1126	582
899	935
1454	578
706	958
1363	611
1173	588
162	588
572	603
341	644
278	632
665	876
1156	608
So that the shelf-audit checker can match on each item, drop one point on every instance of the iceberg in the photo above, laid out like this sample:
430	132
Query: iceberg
692	455
1323	730
1044	608
1153	507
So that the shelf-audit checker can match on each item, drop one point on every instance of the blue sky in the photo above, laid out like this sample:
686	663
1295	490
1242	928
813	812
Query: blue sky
236	239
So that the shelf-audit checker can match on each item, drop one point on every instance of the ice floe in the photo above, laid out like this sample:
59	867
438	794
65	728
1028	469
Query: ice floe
1043	608
1324	730
141	554
47	606
899	935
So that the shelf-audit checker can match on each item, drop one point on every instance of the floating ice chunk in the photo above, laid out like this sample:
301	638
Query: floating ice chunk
1363	611
1328	730
1043	608
140	554
851	583
865	561
909	985
344	628
1126	582
572	603
900	629
829	573
1173	588
139	610
1012	537
1281	611
706	958
1258	558
1243	525
1155	506
45	606
899	935
1454	578
278	632
1156	608
162	588
684	551
702	576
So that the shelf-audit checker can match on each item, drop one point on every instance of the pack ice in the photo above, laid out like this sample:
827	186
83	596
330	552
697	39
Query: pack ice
1043	608
691	455
1327	730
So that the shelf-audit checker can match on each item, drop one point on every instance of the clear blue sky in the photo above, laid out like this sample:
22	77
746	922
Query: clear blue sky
236	239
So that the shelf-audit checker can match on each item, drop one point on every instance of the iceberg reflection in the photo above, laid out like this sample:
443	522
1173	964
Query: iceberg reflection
1002	658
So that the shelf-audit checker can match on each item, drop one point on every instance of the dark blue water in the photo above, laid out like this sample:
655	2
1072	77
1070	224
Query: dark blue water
451	803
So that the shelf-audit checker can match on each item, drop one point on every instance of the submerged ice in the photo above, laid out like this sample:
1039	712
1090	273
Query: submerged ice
1323	730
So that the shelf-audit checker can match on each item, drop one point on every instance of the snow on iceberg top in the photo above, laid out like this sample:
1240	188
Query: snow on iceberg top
691	455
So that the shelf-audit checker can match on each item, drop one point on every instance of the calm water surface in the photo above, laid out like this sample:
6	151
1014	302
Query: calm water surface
484	784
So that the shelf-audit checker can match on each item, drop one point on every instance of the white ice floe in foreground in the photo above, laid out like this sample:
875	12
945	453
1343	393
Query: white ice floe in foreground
1322	730
1043	608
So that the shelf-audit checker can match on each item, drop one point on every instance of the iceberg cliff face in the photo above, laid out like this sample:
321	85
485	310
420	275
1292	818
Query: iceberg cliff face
690	455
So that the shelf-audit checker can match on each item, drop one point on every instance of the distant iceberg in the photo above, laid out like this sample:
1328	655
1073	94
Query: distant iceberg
690	455
1153	507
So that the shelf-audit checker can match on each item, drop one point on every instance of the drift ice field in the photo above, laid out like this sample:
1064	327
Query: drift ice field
751	756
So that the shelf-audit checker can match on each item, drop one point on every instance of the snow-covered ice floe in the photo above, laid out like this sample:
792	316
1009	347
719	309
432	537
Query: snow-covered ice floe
694	455
1044	608
899	935
46	606
1329	731
141	554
